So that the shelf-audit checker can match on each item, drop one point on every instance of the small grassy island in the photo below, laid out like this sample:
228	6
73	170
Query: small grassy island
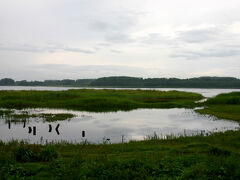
98	100
214	156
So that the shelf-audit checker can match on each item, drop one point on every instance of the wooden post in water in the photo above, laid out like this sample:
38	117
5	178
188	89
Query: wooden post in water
49	128
155	140
202	134
155	144
34	130
108	140
29	130
86	143
56	129
122	142
9	124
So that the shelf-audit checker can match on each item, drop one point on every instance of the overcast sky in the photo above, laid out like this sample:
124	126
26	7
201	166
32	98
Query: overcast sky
59	39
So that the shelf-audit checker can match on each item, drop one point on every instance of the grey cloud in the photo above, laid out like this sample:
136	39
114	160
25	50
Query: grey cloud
118	38
113	22
198	36
216	42
115	51
44	48
202	35
220	53
23	47
57	71
116	27
156	38
77	50
100	25
104	44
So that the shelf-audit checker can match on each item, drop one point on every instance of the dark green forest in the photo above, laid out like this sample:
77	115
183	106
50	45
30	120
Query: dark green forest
134	82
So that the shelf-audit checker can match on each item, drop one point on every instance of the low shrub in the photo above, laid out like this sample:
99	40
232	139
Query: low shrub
48	154
24	153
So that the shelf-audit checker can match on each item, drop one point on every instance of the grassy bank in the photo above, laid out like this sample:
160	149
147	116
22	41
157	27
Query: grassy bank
212	157
226	106
98	100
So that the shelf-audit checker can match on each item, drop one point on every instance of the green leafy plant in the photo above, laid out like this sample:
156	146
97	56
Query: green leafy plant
24	153
48	154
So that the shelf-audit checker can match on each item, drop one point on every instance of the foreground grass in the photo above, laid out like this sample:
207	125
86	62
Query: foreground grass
212	157
98	100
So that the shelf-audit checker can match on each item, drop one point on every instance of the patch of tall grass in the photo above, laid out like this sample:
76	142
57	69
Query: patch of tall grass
223	106
98	100
232	98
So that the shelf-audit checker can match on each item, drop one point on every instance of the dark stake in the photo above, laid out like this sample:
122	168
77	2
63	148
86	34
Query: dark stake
24	124
34	130
122	142
57	132
9	125
29	130
50	128
155	140
83	133
57	129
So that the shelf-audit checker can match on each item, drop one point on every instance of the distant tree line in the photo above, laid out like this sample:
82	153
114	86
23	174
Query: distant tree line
65	82
124	81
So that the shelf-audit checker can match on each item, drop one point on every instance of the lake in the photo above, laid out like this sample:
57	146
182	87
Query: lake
134	125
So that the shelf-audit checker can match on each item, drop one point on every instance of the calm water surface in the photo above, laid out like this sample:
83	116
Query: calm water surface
136	124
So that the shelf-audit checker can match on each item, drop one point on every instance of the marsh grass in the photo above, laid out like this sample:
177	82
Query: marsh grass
225	106
23	116
4	112
98	100
212	156
56	117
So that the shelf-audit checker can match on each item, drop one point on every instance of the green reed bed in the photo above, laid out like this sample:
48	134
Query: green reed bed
98	100
226	106
22	116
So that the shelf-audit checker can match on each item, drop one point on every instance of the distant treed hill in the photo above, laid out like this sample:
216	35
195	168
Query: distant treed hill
124	81
201	82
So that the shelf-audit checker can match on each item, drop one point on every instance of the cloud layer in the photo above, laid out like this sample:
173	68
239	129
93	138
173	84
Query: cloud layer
81	39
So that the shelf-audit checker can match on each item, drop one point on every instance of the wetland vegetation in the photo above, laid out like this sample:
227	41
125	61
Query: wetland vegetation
225	106
211	156
12	116
98	100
